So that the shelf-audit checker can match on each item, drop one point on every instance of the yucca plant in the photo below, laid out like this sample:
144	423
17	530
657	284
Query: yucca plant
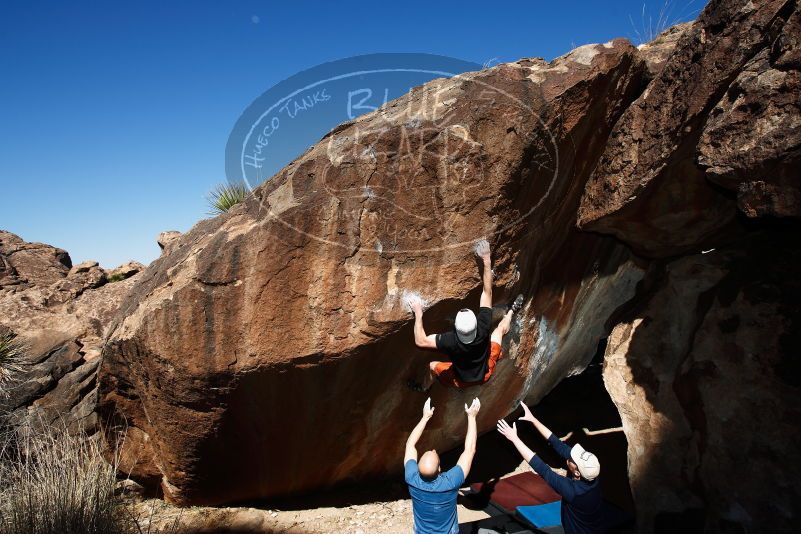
225	196
12	361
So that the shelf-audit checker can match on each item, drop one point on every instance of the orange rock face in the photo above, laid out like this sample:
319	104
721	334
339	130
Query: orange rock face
267	352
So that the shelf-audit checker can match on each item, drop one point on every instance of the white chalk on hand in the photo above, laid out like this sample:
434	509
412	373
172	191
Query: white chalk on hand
481	247
411	298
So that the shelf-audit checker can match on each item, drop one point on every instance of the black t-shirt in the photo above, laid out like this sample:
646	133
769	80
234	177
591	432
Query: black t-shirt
469	360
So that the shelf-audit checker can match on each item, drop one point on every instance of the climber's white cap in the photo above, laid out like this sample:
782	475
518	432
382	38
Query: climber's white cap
587	463
466	325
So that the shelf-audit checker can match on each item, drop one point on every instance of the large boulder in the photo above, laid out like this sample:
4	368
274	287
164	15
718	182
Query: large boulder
266	352
705	374
649	189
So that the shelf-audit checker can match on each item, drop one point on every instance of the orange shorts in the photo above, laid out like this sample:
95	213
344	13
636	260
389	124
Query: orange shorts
447	376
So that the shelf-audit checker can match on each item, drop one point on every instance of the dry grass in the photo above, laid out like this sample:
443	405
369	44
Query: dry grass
651	24
54	481
12	362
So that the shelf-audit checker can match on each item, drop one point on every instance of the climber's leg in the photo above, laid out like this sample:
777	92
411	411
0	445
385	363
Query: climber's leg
498	313
501	311
496	353
502	328
430	375
429	378
443	371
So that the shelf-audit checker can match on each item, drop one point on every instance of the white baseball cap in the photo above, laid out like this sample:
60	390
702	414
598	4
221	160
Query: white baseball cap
587	463
466	325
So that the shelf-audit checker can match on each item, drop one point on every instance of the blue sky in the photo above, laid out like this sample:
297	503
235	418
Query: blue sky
114	115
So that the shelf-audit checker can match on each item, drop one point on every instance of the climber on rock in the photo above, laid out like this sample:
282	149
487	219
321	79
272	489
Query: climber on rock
472	349
580	489
433	492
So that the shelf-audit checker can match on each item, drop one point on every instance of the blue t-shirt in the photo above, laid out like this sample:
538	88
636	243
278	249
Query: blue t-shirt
434	501
582	504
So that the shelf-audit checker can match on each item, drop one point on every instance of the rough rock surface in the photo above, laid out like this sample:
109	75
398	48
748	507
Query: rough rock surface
26	264
276	333
705	369
59	312
751	143
656	53
167	239
126	270
649	189
706	376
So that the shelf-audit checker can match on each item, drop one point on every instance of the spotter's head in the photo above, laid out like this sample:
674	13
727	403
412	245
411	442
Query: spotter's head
583	463
429	465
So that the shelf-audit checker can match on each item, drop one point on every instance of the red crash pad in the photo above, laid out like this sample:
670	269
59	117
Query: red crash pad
524	489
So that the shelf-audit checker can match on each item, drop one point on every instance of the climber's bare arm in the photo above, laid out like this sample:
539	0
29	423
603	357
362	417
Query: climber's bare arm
466	459
420	338
482	250
414	437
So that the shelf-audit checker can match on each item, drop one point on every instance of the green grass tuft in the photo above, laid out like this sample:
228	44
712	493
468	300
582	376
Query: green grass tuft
119	277
225	196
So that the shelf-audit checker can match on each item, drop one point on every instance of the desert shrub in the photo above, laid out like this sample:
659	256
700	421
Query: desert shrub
225	196
119	277
12	361
54	481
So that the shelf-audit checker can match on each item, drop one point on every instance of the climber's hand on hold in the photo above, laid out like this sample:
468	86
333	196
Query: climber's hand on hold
416	303
509	432
472	411
428	410
482	250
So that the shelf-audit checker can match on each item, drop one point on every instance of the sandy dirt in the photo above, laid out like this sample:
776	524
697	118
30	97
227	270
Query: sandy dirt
391	517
